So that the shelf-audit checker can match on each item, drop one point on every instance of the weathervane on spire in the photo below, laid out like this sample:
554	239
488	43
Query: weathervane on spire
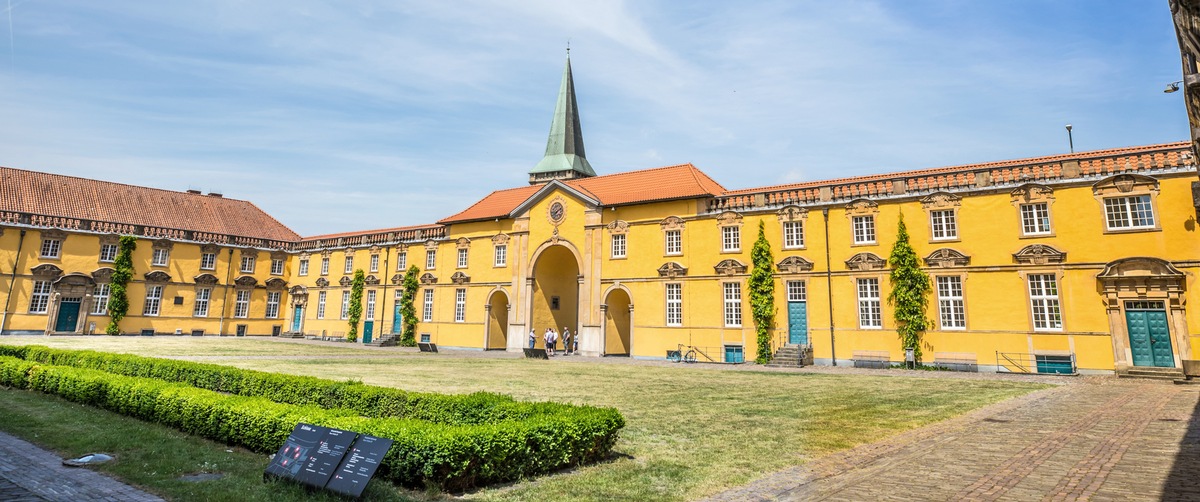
568	48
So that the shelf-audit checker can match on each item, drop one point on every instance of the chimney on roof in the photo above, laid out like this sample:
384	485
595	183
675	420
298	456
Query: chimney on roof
214	194
193	192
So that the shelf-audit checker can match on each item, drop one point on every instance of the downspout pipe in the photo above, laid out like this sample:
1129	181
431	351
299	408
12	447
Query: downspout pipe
829	287
225	296
12	279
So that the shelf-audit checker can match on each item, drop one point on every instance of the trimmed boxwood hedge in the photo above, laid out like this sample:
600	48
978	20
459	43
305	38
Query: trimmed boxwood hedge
451	456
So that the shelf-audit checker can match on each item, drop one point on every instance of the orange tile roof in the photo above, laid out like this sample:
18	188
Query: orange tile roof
496	205
80	198
367	232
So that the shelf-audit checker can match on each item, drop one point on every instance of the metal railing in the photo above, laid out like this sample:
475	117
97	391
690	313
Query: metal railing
1030	363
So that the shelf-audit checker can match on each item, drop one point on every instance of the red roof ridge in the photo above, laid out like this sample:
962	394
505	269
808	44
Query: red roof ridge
1088	155
141	187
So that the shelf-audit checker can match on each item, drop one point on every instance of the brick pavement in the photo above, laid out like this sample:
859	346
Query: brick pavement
1100	439
29	473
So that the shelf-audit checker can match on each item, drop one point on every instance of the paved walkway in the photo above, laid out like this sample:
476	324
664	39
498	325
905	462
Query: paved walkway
1102	439
29	473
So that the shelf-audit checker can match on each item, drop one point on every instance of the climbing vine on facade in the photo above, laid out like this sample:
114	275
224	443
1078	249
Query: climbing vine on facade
408	338
762	294
118	300
355	310
909	297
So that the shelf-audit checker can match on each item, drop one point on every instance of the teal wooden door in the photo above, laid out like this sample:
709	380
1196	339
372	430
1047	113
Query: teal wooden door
798	323
368	328
397	320
1149	338
68	316
297	317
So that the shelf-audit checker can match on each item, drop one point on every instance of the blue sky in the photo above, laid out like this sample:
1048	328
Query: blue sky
339	116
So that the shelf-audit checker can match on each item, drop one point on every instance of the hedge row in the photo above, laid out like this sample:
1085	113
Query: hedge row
453	457
370	401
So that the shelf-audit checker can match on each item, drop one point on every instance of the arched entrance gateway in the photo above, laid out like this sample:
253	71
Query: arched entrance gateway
617	312
1145	304
496	337
554	291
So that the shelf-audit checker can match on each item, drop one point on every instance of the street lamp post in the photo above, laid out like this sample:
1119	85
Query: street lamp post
1070	139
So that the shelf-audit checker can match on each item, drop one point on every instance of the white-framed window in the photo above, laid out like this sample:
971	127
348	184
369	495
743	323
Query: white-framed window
325	265
427	308
345	304
374	263
208	261
501	255
276	266
247	264
241	304
371	304
39	301
1043	300
273	304
1035	218
674	240
153	300
731	238
864	229
460	305
942	224
733	304
100	299
303	268
203	295
401	261
162	256
349	265
618	245
870	316
108	252
951	309
51	248
674	304
462	258
1132	212
430	259
321	305
796	291
793	234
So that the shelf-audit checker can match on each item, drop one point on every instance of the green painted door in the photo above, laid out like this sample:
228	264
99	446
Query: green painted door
368	328
68	316
798	323
297	317
397	321
1149	338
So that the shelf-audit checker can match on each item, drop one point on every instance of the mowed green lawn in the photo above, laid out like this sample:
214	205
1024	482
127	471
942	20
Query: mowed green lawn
692	430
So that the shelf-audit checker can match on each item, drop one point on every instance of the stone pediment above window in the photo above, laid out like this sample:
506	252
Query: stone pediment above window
276	283
672	270
103	275
371	280
729	219
46	270
1039	254
74	283
158	276
53	233
1031	192
246	281
322	282
110	239
428	278
794	265
206	279
1125	183
941	200
163	244
460	278
672	223
250	253
946	257
866	261
397	279
349	251
500	239
792	213
298	290
327	253
462	243
730	267
304	256
618	227
1140	266
209	248
278	255
345	281
862	207
431	245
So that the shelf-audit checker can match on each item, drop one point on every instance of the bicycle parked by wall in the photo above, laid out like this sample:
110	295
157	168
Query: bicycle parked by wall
680	355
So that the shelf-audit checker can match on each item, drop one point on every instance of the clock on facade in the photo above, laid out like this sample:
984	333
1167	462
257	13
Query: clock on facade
557	211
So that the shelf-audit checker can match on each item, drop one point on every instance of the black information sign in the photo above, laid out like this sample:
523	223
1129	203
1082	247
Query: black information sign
359	465
317	456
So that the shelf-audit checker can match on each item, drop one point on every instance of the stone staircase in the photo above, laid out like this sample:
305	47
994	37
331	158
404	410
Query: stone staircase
792	356
388	340
1151	373
291	334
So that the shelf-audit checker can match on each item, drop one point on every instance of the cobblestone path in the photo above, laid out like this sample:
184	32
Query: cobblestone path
29	473
1101	440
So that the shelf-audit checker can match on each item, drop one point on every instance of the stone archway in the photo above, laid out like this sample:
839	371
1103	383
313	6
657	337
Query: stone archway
617	311
496	333
554	290
1134	287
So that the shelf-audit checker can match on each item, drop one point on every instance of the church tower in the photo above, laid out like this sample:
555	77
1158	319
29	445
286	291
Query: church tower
564	159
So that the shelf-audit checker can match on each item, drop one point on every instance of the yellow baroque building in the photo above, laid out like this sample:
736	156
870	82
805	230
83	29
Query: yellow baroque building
1077	262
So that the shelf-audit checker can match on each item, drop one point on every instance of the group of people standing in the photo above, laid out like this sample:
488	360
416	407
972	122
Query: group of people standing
570	342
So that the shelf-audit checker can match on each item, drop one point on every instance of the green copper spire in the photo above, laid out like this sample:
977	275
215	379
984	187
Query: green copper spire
564	150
